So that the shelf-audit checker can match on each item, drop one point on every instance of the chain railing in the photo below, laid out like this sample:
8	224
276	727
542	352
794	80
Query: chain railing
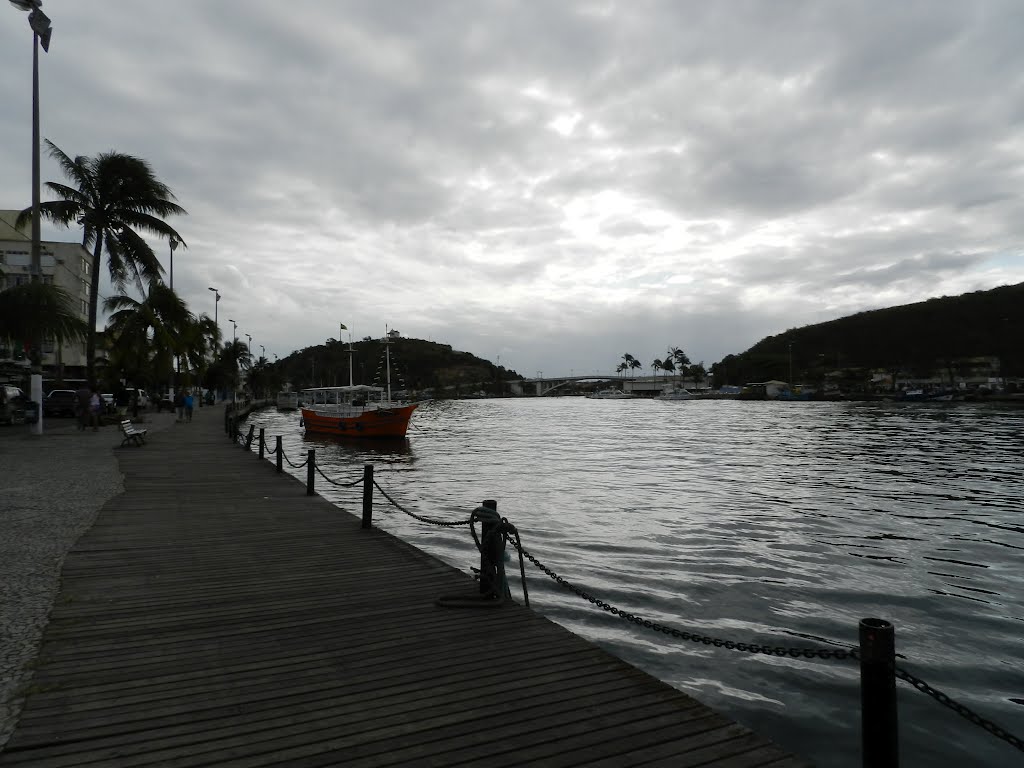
497	532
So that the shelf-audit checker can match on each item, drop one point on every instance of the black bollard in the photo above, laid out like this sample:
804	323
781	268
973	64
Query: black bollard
491	550
310	467
261	442
367	496
879	725
279	454
248	438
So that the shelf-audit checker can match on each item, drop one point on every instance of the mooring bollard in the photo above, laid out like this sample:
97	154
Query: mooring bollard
879	724
491	550
367	495
248	438
278	453
261	442
310	467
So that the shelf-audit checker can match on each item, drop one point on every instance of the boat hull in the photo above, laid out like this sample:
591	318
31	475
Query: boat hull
371	423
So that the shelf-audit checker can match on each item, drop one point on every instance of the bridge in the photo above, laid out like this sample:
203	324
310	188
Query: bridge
550	384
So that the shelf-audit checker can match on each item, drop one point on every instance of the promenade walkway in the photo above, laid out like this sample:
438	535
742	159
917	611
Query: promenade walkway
215	615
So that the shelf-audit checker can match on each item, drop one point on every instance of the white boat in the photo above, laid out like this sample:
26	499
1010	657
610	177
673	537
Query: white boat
611	394
287	401
676	394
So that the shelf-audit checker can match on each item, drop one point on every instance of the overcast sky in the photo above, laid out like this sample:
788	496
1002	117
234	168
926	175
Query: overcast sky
553	183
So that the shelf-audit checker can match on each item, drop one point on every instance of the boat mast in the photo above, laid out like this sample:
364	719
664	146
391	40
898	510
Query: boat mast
387	360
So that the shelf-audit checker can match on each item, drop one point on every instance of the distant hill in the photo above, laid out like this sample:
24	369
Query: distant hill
916	338
415	364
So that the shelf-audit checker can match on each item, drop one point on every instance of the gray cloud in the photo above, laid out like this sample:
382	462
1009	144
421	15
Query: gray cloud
554	182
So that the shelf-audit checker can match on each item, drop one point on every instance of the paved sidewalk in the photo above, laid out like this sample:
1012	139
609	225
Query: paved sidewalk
51	487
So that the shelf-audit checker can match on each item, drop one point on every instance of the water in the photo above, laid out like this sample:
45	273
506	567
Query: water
780	523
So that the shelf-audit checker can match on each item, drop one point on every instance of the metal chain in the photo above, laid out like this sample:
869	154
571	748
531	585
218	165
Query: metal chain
294	466
807	653
422	519
335	482
960	709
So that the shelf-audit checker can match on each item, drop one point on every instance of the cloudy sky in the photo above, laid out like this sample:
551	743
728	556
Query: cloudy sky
548	182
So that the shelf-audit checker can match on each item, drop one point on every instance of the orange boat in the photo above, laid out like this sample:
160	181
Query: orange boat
354	411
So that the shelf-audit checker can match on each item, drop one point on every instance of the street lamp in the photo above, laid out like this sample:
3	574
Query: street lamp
263	352
248	346
174	246
216	301
234	341
41	31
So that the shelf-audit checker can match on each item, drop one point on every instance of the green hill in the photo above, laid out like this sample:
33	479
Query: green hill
937	334
415	365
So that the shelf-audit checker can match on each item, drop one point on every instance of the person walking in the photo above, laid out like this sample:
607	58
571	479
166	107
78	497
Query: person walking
179	404
95	409
189	403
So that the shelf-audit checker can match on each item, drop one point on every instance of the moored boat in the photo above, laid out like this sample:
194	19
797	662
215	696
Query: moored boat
679	393
355	411
610	394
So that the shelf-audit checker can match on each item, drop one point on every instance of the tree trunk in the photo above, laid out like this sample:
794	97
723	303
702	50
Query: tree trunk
94	297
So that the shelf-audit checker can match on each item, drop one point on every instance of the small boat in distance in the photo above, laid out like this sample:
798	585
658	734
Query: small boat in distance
287	400
611	394
679	393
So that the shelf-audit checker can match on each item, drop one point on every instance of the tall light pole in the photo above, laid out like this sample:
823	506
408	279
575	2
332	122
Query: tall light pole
174	246
41	31
263	352
234	341
248	346
216	301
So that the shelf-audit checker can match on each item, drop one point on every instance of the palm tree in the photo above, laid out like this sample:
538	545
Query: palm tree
156	329
38	311
115	197
634	364
622	368
655	367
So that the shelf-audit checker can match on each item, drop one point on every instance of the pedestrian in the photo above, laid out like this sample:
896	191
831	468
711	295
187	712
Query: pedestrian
83	397
179	404
133	404
189	403
95	409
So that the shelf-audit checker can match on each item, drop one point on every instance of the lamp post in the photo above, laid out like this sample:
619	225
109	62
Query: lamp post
263	352
174	246
248	346
216	301
41	31
234	341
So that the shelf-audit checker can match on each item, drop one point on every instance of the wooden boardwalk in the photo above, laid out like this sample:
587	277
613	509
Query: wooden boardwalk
215	615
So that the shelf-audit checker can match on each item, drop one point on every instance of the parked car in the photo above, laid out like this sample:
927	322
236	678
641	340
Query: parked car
142	396
12	404
60	402
166	402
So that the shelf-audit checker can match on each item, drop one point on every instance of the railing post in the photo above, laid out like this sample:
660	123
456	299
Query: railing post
491	550
879	725
368	496
261	441
278	454
248	438
310	469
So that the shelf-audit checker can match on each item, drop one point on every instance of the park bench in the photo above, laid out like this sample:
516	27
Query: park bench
132	433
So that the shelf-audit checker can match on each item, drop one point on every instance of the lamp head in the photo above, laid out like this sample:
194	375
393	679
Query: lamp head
173	243
26	5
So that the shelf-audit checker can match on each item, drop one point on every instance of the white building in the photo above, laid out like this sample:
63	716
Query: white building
66	265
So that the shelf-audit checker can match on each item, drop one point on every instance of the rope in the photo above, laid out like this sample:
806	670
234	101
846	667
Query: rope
290	464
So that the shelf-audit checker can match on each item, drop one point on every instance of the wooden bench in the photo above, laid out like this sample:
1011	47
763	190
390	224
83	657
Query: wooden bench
132	434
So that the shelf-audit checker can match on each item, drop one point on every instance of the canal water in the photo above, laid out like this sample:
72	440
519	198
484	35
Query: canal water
759	522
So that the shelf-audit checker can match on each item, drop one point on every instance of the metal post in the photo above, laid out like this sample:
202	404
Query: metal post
248	438
279	454
310	466
261	442
879	727
368	496
490	549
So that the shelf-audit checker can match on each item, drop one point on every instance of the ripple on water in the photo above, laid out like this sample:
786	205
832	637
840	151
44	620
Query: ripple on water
781	523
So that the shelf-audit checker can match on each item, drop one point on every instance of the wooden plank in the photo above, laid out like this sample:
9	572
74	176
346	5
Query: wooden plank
214	614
